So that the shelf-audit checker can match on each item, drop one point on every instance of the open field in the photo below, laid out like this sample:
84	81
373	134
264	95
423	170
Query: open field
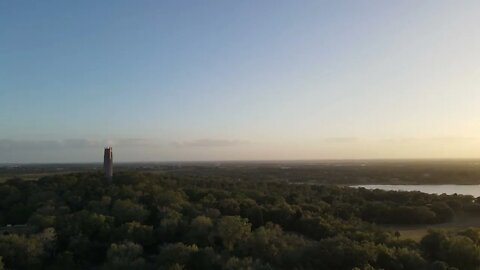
417	232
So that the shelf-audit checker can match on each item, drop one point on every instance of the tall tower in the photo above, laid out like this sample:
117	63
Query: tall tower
108	163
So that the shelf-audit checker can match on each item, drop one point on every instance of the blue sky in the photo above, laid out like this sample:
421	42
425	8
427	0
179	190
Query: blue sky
223	80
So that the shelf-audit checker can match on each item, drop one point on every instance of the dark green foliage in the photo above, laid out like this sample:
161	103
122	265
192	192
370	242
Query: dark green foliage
126	256
166	221
456	250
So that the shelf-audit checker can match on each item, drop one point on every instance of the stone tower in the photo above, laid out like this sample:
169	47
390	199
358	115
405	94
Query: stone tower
108	163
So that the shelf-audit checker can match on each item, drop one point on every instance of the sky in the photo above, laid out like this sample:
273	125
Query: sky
238	80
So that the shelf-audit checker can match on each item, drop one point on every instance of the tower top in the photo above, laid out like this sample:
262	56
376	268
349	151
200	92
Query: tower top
108	162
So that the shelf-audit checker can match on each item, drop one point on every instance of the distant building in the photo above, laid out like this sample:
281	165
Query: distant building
108	163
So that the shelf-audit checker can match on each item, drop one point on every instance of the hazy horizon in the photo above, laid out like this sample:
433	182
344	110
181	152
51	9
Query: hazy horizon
262	161
249	80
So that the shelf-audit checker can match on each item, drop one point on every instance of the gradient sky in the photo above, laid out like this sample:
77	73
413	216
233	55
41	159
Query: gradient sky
236	80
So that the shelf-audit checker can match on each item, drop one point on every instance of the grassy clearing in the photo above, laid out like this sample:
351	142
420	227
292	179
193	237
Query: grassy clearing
417	232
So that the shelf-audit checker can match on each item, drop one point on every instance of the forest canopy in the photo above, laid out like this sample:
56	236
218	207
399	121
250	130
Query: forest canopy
153	221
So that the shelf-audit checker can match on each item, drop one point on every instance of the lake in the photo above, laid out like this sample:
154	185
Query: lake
473	190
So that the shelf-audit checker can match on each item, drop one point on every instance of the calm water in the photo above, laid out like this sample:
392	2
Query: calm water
473	190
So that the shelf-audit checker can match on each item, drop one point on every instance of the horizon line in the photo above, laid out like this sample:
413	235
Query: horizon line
250	161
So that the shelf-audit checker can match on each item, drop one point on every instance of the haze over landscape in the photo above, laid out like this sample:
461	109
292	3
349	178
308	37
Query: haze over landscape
238	80
240	135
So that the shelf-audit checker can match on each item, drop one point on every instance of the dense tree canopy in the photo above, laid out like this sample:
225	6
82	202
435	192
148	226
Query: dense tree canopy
162	221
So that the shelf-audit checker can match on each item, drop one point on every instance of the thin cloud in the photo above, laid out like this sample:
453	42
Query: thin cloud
341	140
440	139
11	144
133	142
210	143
